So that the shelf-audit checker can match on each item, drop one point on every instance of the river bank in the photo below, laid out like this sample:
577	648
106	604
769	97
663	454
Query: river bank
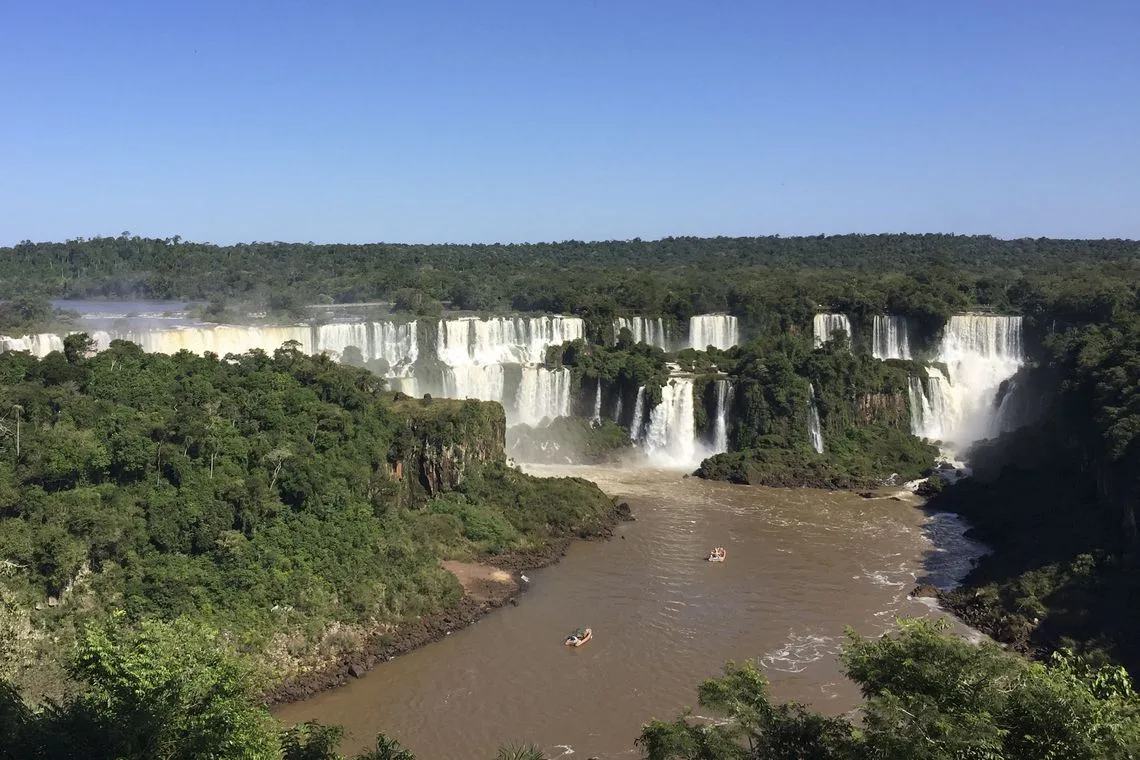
487	586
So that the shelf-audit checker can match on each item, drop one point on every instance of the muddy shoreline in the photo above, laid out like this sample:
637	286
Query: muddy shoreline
411	635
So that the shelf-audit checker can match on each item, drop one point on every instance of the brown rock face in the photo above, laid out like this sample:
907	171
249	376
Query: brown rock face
883	407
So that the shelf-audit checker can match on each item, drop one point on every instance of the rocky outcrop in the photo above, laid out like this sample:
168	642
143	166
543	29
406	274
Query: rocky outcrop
883	408
442	440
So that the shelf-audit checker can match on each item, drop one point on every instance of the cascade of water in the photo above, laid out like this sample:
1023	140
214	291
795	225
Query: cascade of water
617	409
543	395
670	439
597	418
645	330
638	415
890	337
717	330
813	422
484	382
397	344
960	406
38	345
724	392
825	324
503	340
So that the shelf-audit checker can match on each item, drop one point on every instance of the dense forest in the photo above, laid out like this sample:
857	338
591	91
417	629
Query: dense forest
185	501
770	282
284	499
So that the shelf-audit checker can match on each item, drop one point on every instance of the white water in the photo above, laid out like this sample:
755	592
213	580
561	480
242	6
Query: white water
724	392
39	345
638	422
718	330
597	418
543	395
670	440
813	421
504	340
890	338
960	407
645	330
825	324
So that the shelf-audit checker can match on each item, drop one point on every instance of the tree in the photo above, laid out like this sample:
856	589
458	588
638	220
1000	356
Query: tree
930	696
165	690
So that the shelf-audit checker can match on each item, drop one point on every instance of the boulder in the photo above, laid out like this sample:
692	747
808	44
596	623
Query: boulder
925	590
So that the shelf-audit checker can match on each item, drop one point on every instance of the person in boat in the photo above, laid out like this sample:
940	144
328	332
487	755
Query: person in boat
578	635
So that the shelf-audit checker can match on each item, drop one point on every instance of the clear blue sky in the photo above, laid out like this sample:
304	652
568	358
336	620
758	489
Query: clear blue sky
504	120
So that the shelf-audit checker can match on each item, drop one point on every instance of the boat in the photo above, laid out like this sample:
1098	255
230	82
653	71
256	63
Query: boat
579	637
718	554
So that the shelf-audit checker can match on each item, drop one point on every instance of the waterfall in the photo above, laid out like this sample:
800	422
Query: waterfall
39	345
720	424
670	439
617	409
479	381
960	406
825	324
217	339
503	340
638	415
813	422
645	330
597	418
891	339
543	395
717	330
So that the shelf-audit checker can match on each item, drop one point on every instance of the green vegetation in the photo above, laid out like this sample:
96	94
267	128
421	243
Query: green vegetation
283	499
929	696
1057	500
23	315
174	690
863	408
772	283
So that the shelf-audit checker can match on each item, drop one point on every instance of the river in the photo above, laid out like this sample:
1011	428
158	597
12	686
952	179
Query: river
802	565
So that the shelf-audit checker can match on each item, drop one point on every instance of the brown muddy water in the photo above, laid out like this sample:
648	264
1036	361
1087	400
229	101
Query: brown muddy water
802	565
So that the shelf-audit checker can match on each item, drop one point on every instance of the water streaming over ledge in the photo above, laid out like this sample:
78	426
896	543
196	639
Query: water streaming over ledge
890	337
813	422
960	406
823	325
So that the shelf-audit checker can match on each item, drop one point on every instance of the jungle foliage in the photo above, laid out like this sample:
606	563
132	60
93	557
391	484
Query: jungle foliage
258	494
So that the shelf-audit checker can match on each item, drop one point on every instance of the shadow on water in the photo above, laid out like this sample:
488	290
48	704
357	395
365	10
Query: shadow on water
1058	571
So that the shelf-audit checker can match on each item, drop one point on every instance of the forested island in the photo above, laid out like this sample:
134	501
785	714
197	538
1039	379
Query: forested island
250	518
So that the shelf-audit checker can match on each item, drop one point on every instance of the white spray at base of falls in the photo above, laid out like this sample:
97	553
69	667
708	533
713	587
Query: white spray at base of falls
724	392
670	440
823	325
890	337
813	422
960	407
717	330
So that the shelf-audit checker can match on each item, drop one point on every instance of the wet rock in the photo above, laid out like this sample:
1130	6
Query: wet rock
925	590
867	494
356	670
623	512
